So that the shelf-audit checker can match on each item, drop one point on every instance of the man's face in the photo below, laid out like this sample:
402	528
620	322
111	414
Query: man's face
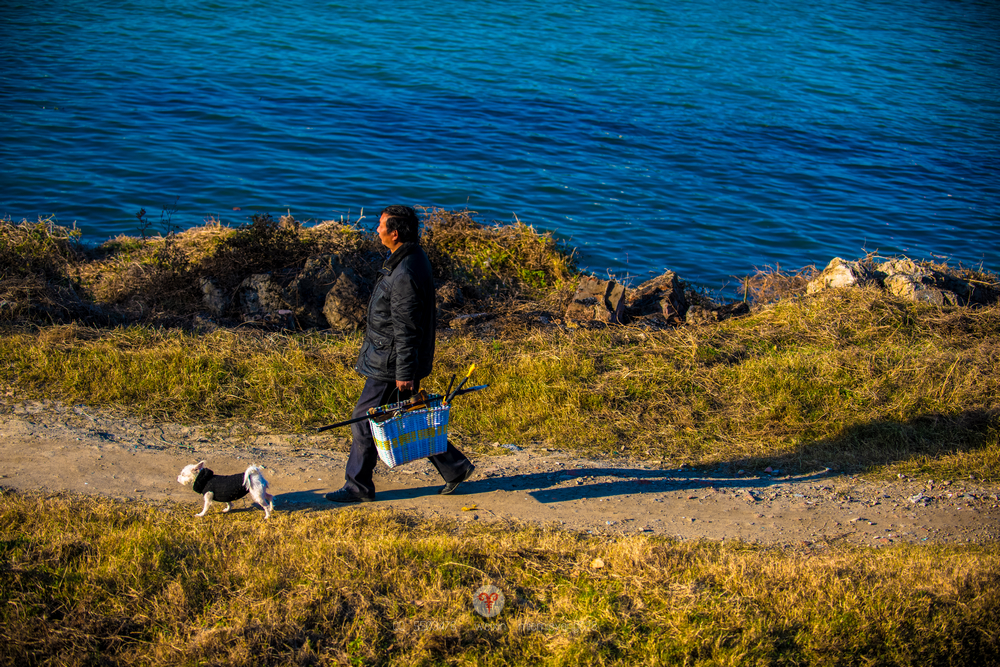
388	239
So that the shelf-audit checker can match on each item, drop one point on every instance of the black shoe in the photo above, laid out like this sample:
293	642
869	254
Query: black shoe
345	496
450	487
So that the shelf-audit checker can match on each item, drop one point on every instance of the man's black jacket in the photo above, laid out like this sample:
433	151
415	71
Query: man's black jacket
399	341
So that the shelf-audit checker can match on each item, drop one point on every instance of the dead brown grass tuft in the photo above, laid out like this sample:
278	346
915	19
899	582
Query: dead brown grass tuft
37	267
41	248
977	276
773	284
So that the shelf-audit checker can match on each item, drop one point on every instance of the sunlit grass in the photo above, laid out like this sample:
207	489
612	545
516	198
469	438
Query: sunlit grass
91	581
852	380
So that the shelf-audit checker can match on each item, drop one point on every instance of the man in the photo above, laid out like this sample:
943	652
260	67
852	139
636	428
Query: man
397	352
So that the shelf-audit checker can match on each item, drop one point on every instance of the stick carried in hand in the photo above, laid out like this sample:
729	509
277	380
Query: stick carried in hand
415	402
459	387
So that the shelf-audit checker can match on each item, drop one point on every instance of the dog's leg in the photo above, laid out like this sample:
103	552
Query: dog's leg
257	486
227	508
208	503
267	510
264	499
267	505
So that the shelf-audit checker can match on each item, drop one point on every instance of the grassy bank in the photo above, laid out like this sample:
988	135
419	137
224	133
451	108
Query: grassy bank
89	581
852	380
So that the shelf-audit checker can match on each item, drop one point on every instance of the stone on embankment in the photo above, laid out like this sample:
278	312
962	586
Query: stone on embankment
702	315
344	307
323	293
213	297
839	273
449	296
308	291
660	299
326	293
597	301
259	295
906	279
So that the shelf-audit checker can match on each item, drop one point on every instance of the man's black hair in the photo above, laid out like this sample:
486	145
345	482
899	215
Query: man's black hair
402	219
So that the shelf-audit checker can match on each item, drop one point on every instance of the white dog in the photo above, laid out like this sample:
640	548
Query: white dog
227	488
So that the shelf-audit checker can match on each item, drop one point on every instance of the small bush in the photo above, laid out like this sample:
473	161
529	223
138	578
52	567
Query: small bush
772	284
506	260
40	248
263	245
36	264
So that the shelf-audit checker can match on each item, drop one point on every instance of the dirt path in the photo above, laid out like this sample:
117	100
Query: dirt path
51	447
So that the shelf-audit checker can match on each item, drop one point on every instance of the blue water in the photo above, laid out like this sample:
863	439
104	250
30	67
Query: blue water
704	136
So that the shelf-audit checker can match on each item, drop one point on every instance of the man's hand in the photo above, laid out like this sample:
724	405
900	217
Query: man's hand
405	385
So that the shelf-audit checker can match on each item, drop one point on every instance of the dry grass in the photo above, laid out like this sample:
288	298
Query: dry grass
772	284
852	380
508	261
89	581
40	248
169	374
37	261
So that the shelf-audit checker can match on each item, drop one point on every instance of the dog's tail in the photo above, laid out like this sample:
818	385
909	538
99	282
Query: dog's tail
253	479
254	482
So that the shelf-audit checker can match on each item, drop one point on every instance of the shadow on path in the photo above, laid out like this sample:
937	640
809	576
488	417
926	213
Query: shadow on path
594	483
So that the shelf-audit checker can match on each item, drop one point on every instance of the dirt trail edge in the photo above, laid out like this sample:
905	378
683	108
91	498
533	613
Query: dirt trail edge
51	447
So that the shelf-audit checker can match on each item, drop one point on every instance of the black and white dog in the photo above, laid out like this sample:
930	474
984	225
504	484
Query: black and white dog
227	488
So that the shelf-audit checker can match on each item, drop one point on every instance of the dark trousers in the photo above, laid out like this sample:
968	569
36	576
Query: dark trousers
361	463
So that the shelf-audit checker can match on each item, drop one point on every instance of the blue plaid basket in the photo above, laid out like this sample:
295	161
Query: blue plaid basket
412	435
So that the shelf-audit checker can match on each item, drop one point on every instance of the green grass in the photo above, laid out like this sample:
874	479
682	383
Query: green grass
855	381
88	581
